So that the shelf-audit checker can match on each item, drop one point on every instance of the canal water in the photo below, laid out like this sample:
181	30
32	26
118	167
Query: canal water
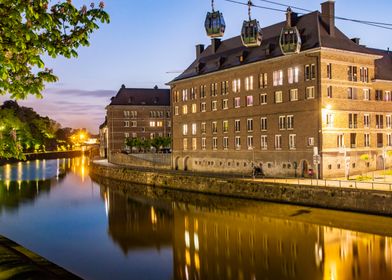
101	229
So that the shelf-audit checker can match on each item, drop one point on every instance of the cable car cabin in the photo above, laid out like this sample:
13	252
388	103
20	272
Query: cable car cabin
215	24
251	34
290	40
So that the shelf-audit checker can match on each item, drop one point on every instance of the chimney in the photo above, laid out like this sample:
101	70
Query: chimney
288	17
215	43
122	86
156	87
355	40
328	16
199	50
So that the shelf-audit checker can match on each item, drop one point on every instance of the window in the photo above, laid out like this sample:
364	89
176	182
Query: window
214	105
310	93
249	142
126	135
278	78
133	123
237	125
194	144
225	104
292	138
278	97
263	98
263	80
159	123
176	96
366	140
203	107
329	119
293	74
152	124
249	125
236	85
282	122
214	143
194	108
176	110
310	72
249	100
184	94
387	96
389	139
352	120
237	102
203	143
185	144
366	121
134	135
366	94
193	93
278	142
126	114
214	89
225	125
380	140
203	91
185	109
290	122
214	127
388	121
203	128
264	143
249	83
237	142
293	94
351	93
353	140
133	114
194	129
364	74
329	91
379	94
225	143
352	74
379	121
329	70
126	124
340	140
263	123
224	87
310	141
184	129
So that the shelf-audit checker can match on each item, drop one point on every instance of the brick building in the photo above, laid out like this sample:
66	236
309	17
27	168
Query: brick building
320	107
137	113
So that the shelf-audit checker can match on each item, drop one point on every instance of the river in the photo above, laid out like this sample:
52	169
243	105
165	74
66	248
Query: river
101	229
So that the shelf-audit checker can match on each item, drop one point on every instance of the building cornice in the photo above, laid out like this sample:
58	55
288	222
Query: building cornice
352	53
381	81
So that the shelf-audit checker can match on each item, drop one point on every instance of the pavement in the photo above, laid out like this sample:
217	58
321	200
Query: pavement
16	262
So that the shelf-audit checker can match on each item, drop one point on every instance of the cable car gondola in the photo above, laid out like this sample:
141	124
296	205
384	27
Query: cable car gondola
215	24
290	39
251	34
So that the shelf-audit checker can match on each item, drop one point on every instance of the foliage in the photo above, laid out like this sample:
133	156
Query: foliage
30	30
157	143
365	157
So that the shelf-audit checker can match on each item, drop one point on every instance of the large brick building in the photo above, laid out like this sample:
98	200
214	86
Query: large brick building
137	113
320	108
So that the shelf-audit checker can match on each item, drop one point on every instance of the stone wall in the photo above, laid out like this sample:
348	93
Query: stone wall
366	201
159	161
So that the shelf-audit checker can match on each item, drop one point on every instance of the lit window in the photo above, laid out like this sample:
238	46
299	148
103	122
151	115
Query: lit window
249	83
203	127
310	141
194	144
278	97
366	94
340	140
249	100
366	121
194	129
329	119
278	78
293	94
185	109
184	94
225	126
185	129
176	110
264	143
263	80
203	143
185	144
237	102
194	108
236	85
237	142
293	75
310	93
152	124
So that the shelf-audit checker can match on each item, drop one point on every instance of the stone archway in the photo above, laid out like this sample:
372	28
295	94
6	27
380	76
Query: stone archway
176	162
186	163
380	163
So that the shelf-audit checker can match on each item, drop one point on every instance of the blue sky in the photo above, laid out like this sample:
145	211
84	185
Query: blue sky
148	38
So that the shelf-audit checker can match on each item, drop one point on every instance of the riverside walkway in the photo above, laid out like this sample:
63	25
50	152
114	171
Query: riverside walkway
16	262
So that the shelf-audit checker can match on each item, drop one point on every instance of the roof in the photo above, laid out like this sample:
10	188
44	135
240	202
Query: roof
142	97
313	33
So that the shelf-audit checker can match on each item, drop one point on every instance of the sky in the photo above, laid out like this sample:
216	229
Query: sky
149	41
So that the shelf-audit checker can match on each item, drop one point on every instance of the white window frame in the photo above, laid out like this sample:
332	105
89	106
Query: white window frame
278	142
264	142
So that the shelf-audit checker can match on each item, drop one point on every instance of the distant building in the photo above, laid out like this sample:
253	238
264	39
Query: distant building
308	101
103	139
137	113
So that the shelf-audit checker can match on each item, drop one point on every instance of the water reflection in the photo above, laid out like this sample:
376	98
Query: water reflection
229	243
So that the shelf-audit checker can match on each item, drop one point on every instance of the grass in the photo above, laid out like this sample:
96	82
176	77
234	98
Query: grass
362	178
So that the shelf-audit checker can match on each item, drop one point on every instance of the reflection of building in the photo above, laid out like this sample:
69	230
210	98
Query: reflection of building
137	113
329	104
351	255
103	139
214	244
135	223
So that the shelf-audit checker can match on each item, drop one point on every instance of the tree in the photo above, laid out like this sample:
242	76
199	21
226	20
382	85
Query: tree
132	142
30	30
157	143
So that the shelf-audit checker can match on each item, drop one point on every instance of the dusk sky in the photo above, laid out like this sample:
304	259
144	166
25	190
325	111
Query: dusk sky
146	39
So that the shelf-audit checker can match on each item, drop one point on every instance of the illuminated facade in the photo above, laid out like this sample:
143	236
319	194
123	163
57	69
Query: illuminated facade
317	112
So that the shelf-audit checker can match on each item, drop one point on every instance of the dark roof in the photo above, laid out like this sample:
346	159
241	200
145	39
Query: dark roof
313	35
142	97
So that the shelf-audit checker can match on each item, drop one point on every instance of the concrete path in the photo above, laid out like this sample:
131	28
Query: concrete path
16	262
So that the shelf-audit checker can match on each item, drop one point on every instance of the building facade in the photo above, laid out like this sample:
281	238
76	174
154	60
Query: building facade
324	111
137	113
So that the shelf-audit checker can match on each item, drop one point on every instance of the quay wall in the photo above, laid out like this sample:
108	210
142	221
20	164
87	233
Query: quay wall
364	201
